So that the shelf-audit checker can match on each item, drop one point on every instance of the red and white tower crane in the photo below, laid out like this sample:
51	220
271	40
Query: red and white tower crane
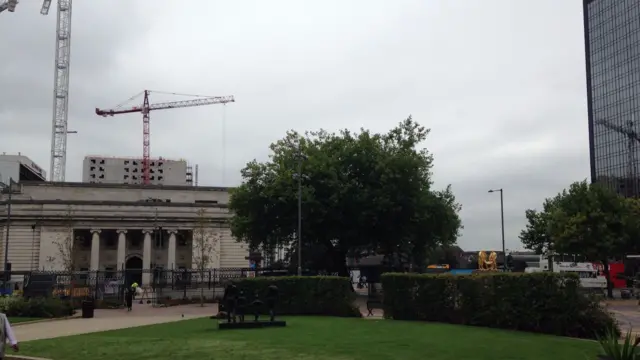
146	107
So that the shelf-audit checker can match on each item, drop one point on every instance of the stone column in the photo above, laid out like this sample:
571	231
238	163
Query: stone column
122	248
171	251
95	250
146	257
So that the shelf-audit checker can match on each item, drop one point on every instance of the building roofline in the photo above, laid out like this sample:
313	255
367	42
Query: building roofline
114	203
125	186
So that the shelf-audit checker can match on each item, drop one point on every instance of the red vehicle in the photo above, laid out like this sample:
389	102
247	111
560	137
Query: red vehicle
615	269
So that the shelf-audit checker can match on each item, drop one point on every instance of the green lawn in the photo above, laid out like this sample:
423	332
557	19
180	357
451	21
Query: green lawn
15	320
312	338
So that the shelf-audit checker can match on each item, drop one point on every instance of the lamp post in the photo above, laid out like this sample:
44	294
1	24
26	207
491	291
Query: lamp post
6	241
299	176
504	254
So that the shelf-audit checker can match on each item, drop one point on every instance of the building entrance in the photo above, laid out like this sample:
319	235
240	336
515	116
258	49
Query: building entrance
133	271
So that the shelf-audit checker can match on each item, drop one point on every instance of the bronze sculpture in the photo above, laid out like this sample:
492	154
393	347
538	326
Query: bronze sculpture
272	299
257	306
229	300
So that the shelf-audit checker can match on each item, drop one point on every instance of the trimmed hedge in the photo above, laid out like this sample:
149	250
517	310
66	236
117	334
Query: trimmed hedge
304	295
548	303
36	307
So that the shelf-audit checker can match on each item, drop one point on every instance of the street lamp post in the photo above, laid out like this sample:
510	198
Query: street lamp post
6	241
300	215
504	254
299	176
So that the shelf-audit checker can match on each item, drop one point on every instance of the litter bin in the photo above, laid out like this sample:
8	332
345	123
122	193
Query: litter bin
88	307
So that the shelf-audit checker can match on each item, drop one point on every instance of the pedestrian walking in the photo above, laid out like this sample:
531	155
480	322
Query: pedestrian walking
131	291
6	334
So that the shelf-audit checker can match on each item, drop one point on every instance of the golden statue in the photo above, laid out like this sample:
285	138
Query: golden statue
487	264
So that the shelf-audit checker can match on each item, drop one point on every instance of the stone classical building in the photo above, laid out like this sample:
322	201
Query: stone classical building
110	227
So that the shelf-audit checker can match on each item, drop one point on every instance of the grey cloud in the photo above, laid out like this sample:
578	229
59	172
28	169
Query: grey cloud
500	83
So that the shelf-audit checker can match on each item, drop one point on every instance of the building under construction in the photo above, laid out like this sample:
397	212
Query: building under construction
125	170
19	168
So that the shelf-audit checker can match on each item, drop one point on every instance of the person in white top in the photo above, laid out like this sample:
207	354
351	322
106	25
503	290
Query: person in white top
6	334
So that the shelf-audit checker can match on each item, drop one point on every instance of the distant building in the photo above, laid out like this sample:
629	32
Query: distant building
612	54
120	170
20	168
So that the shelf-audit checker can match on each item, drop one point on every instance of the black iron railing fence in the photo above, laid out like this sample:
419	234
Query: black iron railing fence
155	282
101	284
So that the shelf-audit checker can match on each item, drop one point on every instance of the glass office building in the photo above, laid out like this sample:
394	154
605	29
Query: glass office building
612	47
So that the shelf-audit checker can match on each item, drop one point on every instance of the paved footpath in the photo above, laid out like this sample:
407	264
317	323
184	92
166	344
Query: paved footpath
111	320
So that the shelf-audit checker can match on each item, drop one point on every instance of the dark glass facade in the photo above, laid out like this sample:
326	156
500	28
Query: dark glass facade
612	46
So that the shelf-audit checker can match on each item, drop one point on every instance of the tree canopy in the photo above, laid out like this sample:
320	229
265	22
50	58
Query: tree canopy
586	219
362	193
536	236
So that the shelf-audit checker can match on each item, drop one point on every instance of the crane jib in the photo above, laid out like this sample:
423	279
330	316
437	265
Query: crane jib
146	107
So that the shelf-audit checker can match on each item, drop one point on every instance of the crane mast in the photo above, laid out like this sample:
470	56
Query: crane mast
146	107
60	88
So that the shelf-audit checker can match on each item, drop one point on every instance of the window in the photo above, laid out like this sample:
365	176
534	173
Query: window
110	243
85	243
109	272
135	243
161	242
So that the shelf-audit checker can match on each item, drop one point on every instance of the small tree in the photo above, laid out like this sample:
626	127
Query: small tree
536	236
64	243
592	221
64	248
205	242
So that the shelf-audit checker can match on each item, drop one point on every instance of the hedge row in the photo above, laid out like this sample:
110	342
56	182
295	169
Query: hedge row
16	306
305	295
548	303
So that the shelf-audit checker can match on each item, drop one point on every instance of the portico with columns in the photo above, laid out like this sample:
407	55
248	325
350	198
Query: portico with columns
110	250
118	227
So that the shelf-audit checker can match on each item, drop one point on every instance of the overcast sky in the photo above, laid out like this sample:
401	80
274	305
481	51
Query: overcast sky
500	83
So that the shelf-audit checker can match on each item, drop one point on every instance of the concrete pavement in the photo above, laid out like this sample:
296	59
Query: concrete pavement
105	320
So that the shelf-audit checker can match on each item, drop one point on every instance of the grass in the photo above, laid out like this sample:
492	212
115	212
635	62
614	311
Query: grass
15	320
312	338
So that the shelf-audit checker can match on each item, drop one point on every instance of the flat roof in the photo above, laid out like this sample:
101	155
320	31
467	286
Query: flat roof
125	186
26	162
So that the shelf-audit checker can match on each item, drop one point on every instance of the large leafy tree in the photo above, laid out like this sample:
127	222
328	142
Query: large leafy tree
592	221
362	193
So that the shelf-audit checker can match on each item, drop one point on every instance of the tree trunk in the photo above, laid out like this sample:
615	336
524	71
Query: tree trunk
605	270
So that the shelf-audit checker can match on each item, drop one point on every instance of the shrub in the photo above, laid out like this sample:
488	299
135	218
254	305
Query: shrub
36	307
542	302
304	295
